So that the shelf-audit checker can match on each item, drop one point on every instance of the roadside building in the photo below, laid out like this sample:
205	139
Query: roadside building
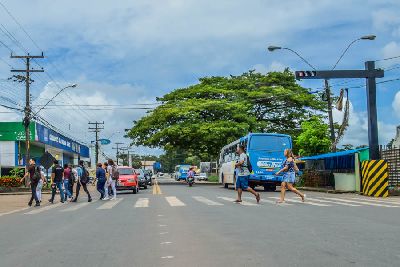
42	139
396	141
148	165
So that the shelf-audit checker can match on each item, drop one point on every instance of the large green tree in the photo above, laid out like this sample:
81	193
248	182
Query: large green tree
202	118
314	138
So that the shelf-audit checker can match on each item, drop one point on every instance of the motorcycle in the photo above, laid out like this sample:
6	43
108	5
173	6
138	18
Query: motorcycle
190	181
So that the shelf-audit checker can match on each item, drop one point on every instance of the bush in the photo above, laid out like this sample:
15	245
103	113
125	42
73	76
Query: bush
8	181
213	178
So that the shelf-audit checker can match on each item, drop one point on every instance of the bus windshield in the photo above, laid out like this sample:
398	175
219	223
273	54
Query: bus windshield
269	143
185	168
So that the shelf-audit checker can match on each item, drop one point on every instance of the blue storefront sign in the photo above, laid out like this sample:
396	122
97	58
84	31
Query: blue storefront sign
54	139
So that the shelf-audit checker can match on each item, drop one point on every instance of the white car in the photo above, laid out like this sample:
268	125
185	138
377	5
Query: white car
202	176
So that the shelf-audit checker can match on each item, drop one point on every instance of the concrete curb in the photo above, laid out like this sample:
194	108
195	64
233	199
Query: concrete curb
325	190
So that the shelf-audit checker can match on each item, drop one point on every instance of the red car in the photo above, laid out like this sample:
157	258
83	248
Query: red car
128	180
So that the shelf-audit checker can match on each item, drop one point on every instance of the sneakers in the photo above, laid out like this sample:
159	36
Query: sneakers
89	200
37	204
51	201
106	198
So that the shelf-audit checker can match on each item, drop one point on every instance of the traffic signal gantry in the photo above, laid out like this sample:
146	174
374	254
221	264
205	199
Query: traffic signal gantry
370	74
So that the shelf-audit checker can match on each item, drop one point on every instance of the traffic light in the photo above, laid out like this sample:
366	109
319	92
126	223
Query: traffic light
305	74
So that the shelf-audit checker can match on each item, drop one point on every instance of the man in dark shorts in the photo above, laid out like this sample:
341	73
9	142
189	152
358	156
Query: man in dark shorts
242	180
33	182
57	175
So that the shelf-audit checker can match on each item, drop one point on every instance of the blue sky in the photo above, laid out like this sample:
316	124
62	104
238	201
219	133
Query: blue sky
126	52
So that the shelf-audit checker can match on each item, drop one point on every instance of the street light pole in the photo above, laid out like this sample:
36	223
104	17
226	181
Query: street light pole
326	81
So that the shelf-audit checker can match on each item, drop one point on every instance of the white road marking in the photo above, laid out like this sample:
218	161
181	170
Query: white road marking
306	202
207	201
163	233
165	243
159	215
175	202
335	202
14	211
244	203
387	201
167	257
270	201
142	203
163	225
110	204
49	207
361	202
77	206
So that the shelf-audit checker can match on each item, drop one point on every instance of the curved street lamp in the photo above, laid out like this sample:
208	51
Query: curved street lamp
51	99
366	37
327	88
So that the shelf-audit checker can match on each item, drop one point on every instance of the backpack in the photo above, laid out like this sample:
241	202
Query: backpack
115	173
36	176
72	176
84	176
249	164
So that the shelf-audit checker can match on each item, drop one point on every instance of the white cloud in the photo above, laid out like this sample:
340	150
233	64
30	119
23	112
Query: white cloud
274	66
391	49
357	131
396	104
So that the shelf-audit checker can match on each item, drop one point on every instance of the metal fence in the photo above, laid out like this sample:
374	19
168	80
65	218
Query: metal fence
392	156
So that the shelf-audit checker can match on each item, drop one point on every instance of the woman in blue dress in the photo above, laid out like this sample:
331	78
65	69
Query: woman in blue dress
289	170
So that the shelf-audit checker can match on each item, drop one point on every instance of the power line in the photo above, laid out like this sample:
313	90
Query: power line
389	58
16	21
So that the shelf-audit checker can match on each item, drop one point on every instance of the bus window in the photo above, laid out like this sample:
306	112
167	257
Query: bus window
271	143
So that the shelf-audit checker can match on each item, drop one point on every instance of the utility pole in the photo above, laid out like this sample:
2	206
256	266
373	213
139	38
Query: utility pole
117	148
330	116
370	74
27	109
96	129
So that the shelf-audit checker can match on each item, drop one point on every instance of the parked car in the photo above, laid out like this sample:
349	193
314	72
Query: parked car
201	176
128	179
141	178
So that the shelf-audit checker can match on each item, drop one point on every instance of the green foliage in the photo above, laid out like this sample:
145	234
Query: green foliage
17	172
314	138
213	178
202	118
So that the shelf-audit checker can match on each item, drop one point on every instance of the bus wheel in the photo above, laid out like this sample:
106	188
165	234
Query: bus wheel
253	186
271	188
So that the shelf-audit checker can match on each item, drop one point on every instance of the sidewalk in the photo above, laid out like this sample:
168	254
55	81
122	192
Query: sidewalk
15	201
325	190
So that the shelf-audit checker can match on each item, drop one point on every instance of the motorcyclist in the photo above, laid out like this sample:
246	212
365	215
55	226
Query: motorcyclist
190	174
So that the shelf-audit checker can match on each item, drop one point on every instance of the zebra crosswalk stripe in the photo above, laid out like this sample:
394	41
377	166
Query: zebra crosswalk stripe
386	201
334	202
270	201
110	204
306	202
207	201
174	202
77	206
361	202
244	203
14	211
45	208
142	203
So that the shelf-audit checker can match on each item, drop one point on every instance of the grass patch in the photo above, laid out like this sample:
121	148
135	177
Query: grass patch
213	178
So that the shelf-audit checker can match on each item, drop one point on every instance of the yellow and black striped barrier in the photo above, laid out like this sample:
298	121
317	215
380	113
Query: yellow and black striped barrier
375	178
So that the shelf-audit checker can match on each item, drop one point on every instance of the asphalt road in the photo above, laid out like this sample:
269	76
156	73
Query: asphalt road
200	226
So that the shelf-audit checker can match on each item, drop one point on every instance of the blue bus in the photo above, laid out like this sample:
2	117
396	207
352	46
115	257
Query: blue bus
181	172
265	151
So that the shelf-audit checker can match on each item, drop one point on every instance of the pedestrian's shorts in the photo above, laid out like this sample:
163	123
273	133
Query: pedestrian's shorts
242	182
289	177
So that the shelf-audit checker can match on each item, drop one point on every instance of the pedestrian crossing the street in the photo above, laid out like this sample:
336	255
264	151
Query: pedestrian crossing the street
323	201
